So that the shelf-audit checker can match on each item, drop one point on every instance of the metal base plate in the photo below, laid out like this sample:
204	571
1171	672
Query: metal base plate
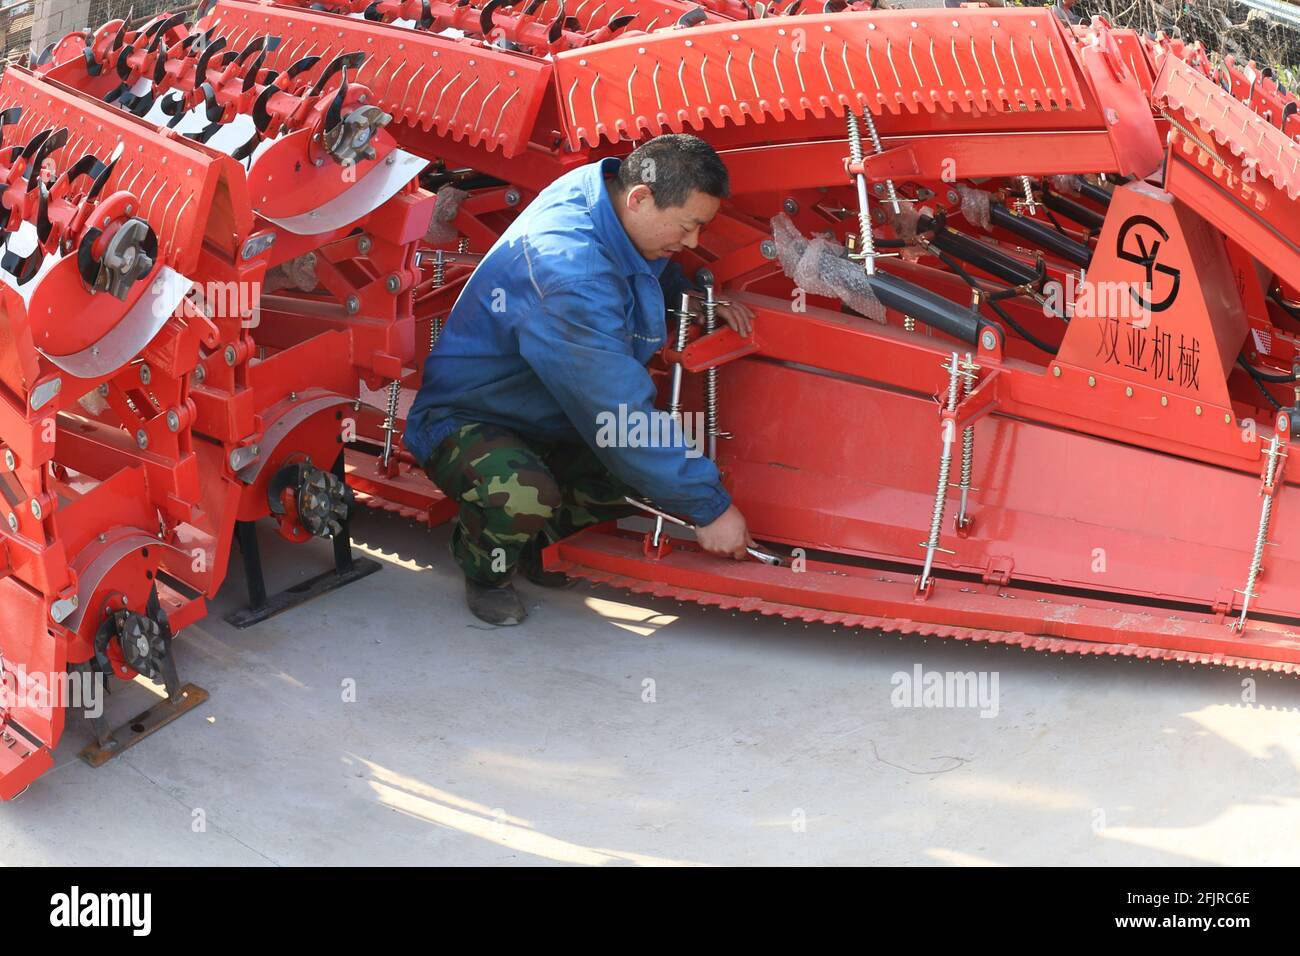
143	725
299	593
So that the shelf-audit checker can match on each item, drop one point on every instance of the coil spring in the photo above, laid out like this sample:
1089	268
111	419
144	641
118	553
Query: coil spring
945	464
855	154
890	192
967	433
1261	536
711	376
439	280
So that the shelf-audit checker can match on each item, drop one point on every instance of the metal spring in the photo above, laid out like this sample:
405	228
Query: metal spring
1261	536
1029	193
439	280
711	377
967	443
864	214
890	192
390	421
683	327
941	489
909	323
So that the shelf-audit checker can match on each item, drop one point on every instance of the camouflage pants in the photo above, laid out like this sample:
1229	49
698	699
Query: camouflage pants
512	489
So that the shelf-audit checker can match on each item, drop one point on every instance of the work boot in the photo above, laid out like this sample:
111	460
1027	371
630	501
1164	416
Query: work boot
530	566
494	604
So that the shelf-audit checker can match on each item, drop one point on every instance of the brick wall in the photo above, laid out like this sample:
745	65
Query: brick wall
57	18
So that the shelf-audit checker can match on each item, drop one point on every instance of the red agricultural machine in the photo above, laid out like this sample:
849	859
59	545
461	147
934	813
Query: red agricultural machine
1023	367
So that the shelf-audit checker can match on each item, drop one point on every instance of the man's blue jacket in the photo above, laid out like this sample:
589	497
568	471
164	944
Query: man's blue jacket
552	333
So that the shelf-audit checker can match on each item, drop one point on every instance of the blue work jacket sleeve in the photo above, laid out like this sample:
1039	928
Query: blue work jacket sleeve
580	348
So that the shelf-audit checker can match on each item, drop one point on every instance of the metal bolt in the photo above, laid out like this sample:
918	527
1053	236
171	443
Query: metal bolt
103	390
1092	381
353	304
512	196
1056	371
1198	409
364	244
293	396
10	462
990	341
36	509
200	373
1227	418
767	248
173	421
1164	399
393	283
145	375
13	521
1128	390
953	197
142	439
790	206
230	355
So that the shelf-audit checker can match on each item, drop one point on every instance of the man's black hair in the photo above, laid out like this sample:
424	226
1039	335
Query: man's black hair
672	166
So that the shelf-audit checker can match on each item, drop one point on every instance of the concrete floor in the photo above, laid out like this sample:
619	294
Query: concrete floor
764	743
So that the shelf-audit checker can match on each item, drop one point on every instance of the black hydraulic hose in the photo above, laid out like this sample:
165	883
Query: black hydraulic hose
1043	236
1290	310
1072	210
1024	333
1098	194
979	254
1260	382
998	310
1277	378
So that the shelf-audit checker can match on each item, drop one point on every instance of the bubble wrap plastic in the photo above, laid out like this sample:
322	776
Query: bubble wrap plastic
904	226
445	206
299	273
94	403
974	205
1066	184
821	267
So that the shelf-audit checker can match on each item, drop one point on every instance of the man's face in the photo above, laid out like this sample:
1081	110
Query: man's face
657	231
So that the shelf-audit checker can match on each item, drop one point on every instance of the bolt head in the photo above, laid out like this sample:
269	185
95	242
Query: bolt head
173	421
1198	409
1056	371
146	376
990	341
142	439
36	509
790	206
353	305
1092	381
10	462
13	521
230	355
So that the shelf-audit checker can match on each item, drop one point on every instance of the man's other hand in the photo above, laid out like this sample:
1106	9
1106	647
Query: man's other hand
728	535
739	317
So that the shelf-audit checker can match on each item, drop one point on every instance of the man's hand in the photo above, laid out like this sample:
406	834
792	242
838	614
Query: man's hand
728	535
739	317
